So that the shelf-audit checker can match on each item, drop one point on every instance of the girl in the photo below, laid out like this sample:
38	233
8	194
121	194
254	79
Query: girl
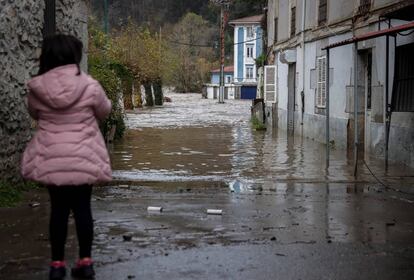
67	153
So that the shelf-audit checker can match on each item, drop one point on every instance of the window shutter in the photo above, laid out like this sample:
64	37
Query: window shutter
270	83
321	89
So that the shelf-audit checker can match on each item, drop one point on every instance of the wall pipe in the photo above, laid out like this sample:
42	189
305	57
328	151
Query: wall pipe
356	142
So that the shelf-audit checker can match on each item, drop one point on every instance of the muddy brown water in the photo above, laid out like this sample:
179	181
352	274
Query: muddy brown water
281	207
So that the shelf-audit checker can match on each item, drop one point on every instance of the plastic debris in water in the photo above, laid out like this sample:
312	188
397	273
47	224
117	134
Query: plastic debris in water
154	209
214	212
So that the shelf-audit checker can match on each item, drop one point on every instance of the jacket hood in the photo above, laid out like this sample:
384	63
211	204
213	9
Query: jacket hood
60	87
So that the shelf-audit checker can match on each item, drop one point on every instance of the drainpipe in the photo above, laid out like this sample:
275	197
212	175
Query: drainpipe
356	142
387	107
303	58
327	108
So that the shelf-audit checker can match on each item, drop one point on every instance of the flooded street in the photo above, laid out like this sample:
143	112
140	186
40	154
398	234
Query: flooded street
284	215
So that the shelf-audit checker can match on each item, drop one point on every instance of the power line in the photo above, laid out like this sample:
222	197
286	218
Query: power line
209	46
188	44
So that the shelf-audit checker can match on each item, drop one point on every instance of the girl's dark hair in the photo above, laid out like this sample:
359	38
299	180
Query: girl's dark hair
59	50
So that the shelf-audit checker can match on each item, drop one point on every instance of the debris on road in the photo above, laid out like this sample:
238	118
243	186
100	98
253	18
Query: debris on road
34	204
127	238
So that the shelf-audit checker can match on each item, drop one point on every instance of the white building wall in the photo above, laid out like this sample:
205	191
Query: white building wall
282	75
310	64
401	147
341	64
236	53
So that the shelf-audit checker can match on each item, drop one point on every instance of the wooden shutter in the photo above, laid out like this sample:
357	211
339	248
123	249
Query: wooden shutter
270	83
321	88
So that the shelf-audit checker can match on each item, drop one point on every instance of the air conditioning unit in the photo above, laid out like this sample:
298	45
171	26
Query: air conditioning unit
288	56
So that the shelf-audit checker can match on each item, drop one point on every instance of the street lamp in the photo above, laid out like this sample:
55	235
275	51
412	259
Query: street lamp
224	8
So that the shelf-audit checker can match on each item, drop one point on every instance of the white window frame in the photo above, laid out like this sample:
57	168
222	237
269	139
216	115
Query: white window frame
249	32
250	50
321	82
250	77
270	83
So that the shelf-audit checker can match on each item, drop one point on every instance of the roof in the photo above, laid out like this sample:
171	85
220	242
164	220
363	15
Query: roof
227	69
371	35
251	19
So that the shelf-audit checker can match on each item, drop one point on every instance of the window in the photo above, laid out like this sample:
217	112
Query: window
321	87
364	7
323	11
402	93
249	31
249	50
49	27
293	22
276	27
249	72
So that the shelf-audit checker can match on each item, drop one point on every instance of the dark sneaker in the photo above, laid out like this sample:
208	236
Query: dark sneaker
84	269
57	270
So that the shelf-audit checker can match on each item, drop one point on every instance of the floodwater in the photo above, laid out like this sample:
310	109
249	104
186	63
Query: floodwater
194	139
284	215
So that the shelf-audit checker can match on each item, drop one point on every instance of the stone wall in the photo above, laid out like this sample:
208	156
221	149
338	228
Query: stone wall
72	18
21	25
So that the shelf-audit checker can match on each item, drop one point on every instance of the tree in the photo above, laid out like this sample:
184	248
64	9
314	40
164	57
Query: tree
191	39
101	66
142	52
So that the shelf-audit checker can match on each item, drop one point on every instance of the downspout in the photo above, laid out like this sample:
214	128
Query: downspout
355	91
303	59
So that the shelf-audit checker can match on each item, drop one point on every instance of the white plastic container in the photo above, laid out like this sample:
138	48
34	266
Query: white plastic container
214	212
154	209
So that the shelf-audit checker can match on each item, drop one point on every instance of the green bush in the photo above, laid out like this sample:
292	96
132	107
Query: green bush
103	72
258	125
11	193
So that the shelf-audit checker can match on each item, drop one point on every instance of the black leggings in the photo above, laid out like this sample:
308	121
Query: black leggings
62	200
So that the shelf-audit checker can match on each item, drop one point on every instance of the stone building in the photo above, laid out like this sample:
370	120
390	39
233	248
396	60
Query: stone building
23	24
298	33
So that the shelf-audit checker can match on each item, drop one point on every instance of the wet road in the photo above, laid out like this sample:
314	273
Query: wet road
285	216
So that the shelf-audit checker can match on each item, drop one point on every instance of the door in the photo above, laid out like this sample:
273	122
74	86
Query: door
291	98
248	92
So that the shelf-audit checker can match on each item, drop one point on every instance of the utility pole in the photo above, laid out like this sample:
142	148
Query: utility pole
222	54
106	25
224	7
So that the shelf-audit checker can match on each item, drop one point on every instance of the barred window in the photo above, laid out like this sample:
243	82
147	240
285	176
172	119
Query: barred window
293	22
323	11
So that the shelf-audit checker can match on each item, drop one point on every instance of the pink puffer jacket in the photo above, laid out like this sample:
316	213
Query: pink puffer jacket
68	147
